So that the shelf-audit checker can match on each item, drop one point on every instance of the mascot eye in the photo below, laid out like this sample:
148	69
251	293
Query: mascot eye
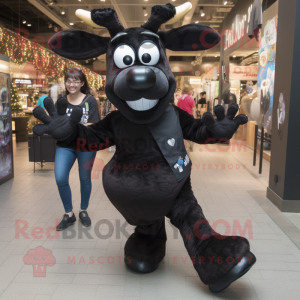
148	54
124	56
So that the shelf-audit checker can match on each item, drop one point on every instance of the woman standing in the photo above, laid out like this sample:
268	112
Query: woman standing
77	94
186	102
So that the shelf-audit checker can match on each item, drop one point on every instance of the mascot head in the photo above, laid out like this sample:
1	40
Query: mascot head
139	81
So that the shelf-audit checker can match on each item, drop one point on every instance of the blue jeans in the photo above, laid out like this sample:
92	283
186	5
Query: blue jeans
64	160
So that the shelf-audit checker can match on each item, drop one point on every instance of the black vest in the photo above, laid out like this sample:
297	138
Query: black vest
168	135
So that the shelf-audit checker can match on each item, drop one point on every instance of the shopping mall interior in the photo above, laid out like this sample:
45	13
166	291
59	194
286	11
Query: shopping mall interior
247	186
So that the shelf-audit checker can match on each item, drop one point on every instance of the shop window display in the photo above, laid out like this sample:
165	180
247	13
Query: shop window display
266	74
261	98
6	164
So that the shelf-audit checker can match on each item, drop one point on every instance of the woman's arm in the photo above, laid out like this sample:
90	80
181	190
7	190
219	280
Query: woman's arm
94	116
194	112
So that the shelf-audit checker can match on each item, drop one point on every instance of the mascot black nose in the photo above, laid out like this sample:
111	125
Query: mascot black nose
141	79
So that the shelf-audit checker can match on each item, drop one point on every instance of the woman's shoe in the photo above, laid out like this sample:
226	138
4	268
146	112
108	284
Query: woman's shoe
84	218
66	222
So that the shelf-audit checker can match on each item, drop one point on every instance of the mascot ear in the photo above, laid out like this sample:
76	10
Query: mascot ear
192	37
77	44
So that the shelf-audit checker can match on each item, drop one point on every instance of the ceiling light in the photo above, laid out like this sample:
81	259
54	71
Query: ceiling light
197	22
202	13
102	0
24	22
62	11
79	0
71	24
225	2
234	55
145	12
29	25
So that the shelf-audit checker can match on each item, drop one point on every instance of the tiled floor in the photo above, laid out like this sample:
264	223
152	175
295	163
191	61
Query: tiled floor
89	262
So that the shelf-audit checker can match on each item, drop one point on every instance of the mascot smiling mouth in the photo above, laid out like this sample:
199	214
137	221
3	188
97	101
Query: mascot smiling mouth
142	104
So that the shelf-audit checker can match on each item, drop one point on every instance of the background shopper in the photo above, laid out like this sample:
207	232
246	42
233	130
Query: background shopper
202	99
42	96
186	102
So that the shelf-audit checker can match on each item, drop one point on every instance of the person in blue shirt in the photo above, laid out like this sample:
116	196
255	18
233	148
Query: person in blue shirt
43	94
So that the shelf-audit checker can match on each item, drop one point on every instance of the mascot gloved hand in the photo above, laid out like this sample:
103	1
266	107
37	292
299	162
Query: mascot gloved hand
58	125
225	126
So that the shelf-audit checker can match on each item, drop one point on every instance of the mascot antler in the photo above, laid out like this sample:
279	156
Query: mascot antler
166	14
100	18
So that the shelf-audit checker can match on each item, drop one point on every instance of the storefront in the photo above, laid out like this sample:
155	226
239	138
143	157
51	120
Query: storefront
272	100
248	71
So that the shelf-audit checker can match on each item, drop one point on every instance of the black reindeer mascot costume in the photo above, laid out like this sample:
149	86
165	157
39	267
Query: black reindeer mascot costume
148	178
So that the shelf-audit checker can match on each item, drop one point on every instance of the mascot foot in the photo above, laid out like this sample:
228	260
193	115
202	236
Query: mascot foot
146	247
238	271
140	266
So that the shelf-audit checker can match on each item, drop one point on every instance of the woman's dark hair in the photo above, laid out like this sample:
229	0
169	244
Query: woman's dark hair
76	73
